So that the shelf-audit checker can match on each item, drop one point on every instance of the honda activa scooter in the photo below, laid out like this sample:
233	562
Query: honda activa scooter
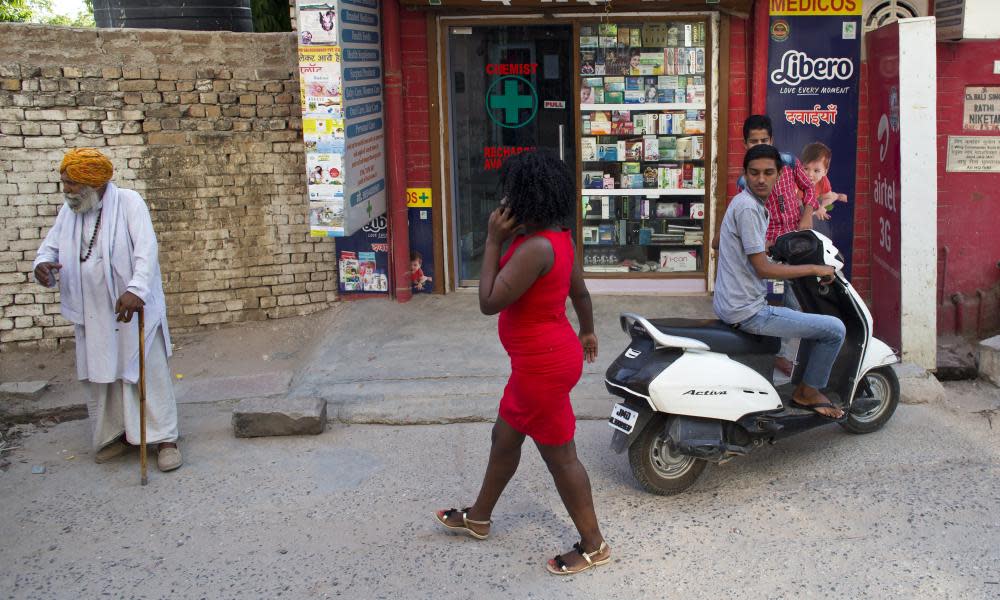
699	391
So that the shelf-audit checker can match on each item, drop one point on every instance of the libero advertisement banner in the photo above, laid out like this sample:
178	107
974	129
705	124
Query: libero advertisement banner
814	63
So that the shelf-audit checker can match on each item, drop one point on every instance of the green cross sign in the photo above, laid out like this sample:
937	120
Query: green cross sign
511	102
423	197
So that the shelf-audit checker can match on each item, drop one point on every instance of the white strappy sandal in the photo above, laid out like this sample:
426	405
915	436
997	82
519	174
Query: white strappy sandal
561	568
443	515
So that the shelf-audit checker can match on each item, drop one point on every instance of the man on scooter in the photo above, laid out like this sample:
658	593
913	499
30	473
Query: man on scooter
740	291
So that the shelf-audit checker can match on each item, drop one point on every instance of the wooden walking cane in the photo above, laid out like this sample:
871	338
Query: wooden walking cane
142	398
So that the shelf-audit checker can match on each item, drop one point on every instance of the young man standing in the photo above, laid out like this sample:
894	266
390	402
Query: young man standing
740	291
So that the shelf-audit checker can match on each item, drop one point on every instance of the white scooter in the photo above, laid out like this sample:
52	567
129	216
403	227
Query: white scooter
700	391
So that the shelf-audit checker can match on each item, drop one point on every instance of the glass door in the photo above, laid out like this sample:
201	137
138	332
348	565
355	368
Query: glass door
510	90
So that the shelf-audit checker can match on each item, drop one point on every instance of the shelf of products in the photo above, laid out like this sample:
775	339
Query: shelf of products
643	192
642	146
643	105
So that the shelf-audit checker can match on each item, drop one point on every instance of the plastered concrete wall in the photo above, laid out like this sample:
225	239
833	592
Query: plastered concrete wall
968	203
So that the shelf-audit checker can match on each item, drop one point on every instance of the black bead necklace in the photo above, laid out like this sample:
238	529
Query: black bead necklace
93	237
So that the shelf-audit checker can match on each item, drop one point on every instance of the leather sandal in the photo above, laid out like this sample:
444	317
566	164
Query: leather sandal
444	515
561	568
813	407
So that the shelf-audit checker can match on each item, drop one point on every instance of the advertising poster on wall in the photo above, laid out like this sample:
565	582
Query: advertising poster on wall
814	63
326	176
364	257
320	82
421	270
317	23
883	88
326	216
321	97
324	144
323	135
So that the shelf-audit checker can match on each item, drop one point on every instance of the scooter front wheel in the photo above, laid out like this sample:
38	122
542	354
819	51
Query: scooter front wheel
656	467
881	385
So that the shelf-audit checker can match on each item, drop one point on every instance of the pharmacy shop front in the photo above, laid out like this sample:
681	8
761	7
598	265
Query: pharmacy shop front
628	99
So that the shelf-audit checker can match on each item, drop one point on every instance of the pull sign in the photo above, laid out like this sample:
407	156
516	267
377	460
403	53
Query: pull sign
555	104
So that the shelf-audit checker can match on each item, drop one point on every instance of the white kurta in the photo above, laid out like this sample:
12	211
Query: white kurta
124	258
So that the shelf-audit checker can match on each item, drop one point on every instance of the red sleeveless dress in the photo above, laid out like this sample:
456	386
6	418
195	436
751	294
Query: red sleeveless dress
546	357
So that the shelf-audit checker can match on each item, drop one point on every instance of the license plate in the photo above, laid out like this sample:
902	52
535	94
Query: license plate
623	419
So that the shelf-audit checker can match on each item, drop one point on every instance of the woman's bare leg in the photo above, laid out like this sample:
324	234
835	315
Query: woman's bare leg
505	455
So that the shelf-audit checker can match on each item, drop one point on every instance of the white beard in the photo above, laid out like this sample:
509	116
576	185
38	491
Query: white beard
83	202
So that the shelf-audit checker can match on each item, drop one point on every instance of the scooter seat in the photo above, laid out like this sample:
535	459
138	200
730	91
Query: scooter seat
719	336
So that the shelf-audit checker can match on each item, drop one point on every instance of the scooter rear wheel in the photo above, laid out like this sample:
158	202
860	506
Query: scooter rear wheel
884	386
656	467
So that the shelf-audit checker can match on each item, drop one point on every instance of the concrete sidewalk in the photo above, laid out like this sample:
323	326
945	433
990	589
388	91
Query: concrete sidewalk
435	359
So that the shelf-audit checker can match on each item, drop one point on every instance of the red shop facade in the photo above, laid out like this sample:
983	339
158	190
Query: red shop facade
645	100
482	80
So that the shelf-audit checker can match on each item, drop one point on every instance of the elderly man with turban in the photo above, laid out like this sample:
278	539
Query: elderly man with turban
103	248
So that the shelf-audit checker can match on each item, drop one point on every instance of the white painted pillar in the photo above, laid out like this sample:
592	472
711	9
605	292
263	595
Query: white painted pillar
918	189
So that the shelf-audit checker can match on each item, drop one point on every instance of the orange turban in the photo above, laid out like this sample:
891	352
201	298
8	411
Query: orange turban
87	166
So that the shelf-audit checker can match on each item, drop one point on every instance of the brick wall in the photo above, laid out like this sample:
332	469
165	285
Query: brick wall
205	125
968	203
739	99
416	97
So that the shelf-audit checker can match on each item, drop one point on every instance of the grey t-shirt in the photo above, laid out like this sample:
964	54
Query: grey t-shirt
739	292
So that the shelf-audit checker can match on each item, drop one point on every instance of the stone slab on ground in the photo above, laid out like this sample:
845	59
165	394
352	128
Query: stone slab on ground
30	390
261	417
989	359
917	385
57	401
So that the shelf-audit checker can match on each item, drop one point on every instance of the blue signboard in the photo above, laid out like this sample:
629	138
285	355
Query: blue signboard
814	65
354	92
360	73
358	17
363	128
359	36
363	110
359	55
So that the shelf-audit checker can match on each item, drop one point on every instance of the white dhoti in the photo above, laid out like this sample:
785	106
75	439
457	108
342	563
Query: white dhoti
114	407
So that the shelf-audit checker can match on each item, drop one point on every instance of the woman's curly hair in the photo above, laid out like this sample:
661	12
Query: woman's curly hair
539	187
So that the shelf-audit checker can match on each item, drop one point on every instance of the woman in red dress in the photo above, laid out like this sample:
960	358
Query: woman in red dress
529	287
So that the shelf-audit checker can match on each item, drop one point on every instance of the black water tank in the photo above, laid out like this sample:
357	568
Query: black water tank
200	15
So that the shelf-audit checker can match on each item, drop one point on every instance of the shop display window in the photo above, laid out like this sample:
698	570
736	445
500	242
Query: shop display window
642	153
